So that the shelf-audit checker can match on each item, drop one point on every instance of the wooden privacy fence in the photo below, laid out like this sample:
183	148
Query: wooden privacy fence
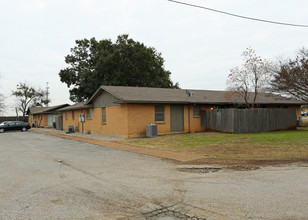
13	118
248	120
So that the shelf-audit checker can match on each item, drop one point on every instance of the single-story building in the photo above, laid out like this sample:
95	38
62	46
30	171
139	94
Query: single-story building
78	115
43	116
126	111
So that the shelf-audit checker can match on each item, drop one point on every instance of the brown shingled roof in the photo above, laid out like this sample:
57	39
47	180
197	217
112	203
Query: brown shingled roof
76	106
40	110
164	95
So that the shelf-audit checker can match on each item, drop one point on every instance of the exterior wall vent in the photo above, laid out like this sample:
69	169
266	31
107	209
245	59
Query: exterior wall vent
151	130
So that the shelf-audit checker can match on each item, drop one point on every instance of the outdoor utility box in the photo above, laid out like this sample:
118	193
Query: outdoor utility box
70	129
151	130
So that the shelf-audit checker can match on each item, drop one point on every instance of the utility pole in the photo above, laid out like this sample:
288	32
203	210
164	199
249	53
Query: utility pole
47	93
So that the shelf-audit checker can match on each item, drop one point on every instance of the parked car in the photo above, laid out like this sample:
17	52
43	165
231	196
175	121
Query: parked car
14	125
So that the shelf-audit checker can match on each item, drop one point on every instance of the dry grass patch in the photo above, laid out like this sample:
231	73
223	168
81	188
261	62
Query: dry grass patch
269	146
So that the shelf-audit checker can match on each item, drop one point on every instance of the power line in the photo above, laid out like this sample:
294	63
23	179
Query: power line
239	16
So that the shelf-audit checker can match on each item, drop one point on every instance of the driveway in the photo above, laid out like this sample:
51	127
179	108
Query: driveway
47	177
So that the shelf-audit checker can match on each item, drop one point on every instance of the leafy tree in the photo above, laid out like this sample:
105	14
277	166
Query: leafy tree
28	96
291	76
126	62
247	81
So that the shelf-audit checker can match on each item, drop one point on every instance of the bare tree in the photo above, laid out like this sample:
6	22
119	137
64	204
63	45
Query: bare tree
291	76
248	80
28	96
2	105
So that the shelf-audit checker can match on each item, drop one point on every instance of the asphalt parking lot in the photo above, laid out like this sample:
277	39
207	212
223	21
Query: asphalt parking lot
47	177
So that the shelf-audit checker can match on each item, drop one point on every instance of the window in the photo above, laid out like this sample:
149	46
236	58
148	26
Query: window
73	115
197	110
159	113
89	113
104	115
66	116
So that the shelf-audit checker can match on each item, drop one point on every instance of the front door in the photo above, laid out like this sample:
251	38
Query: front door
59	123
176	118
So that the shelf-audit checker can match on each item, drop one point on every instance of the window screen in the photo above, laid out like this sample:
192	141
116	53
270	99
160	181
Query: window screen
104	115
89	113
197	110
159	113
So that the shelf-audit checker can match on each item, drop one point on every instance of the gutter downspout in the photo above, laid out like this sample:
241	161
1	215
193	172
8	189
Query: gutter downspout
188	118
188	94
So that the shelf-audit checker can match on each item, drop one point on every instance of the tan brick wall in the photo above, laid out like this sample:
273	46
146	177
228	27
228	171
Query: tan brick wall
69	121
30	120
195	121
163	128
41	120
140	115
116	121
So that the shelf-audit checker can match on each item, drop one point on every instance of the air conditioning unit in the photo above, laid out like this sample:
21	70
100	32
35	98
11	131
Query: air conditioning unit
151	130
70	129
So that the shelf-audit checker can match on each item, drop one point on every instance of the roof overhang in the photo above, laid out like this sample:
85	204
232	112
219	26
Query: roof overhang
71	108
195	103
46	110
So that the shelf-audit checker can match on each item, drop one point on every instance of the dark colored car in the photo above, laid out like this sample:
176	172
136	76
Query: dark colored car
14	125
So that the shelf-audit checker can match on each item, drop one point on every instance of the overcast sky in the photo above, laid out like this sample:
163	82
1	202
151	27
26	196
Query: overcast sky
199	46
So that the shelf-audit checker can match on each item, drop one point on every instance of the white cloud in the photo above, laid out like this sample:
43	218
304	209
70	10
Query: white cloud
32	6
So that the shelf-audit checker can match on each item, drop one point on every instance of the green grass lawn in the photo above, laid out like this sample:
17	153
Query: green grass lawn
278	145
